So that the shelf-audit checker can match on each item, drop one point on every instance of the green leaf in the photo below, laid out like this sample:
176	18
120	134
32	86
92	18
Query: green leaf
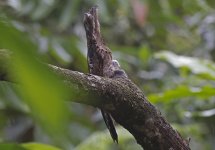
41	89
43	9
26	146
68	14
204	68
38	146
202	114
182	91
11	146
103	141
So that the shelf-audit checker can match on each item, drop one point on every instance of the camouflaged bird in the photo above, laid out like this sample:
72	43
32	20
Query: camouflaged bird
99	58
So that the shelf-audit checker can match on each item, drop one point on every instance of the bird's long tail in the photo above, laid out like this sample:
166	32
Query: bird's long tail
110	125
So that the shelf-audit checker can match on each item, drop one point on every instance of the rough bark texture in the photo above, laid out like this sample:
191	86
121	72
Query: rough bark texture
151	130
128	106
126	103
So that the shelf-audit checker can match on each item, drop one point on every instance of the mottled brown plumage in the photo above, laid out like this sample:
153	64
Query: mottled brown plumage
99	59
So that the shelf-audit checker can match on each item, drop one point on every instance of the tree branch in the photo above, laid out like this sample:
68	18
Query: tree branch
125	102
150	129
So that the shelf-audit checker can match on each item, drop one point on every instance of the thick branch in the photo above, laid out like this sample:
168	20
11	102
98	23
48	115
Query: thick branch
123	99
127	104
118	96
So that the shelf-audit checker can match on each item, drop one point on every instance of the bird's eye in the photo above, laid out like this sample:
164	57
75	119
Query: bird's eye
115	63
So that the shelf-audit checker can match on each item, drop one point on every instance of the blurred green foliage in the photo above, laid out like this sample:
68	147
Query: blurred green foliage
127	143
27	146
166	47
